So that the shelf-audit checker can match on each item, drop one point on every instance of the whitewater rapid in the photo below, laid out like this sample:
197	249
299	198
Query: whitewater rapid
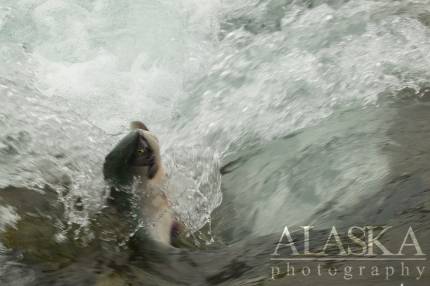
214	79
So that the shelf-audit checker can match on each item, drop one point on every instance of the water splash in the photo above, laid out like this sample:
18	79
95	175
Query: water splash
210	78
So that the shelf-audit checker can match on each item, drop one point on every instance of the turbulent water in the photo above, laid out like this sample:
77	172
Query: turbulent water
269	112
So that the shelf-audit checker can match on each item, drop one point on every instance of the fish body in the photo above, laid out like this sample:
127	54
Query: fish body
138	183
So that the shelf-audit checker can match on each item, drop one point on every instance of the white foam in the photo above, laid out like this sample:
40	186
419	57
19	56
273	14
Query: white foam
207	76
